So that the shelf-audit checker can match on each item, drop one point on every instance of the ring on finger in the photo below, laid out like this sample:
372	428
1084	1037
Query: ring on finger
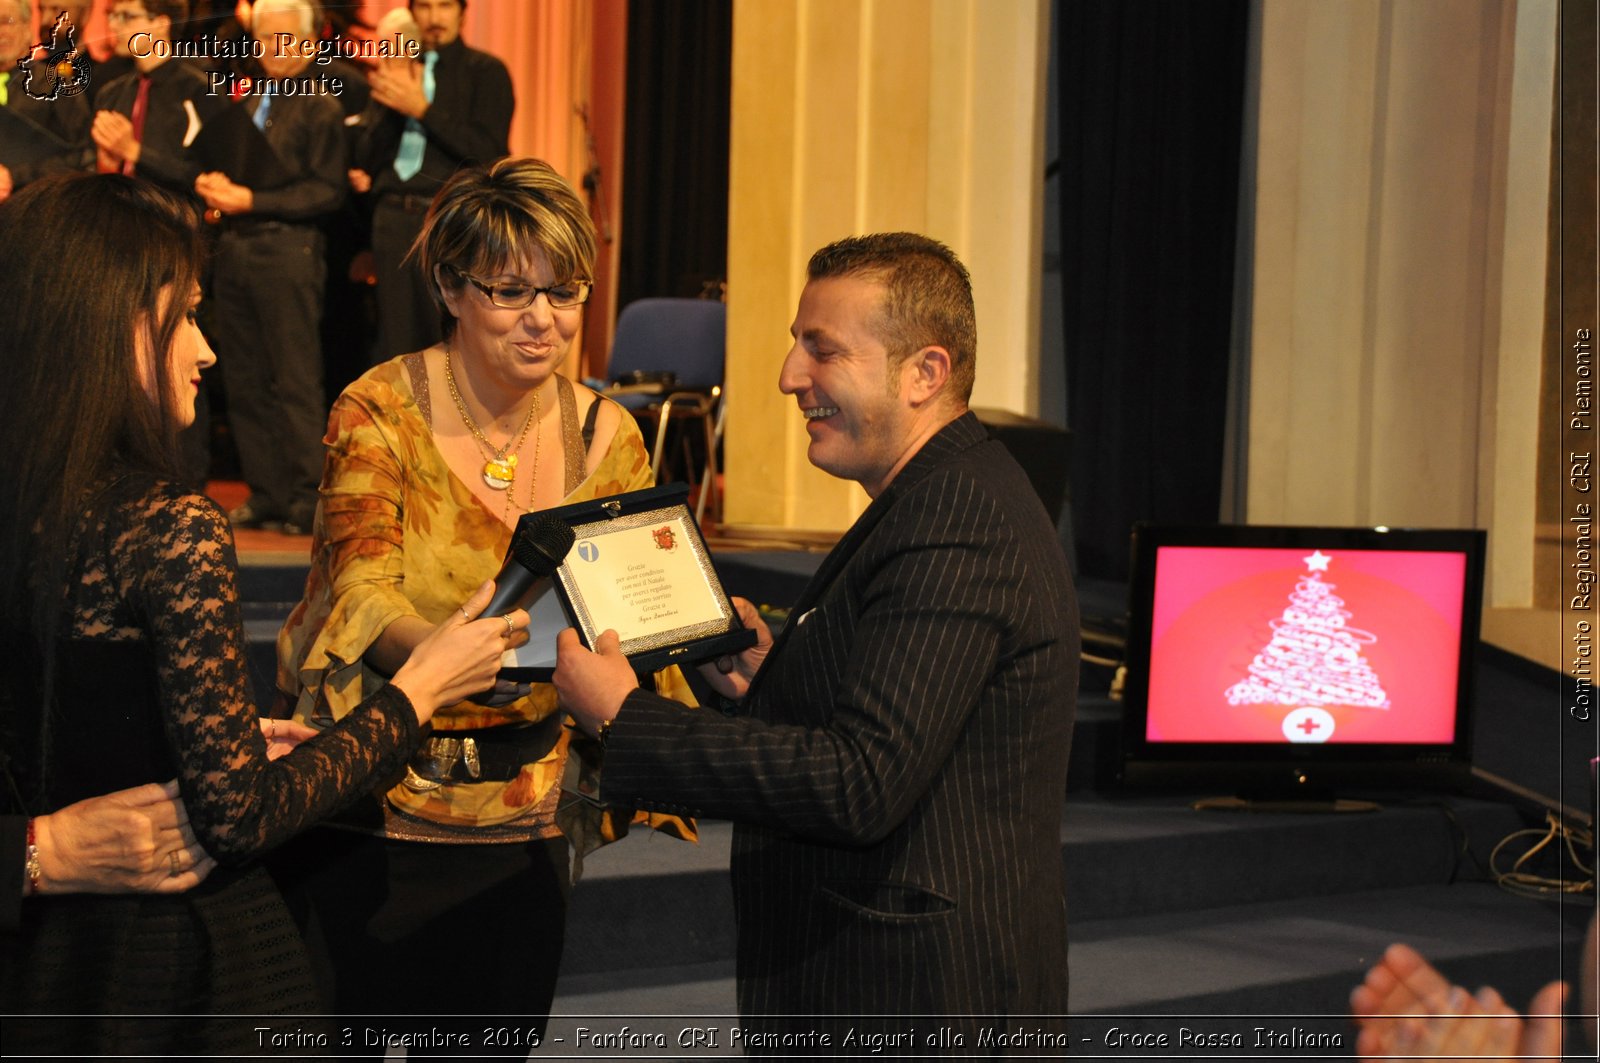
174	863
511	627
464	615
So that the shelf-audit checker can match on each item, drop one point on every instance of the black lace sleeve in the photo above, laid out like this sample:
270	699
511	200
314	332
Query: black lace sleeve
176	570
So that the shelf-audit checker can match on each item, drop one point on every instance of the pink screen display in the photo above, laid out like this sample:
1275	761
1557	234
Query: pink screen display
1296	645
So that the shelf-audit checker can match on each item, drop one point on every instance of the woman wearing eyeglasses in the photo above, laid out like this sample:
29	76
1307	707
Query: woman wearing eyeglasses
453	899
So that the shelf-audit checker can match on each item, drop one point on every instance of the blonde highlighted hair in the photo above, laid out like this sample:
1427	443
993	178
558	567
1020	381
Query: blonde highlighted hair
489	217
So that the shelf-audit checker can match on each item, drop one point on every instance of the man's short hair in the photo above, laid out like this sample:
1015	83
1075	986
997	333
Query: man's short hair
398	22
175	10
927	301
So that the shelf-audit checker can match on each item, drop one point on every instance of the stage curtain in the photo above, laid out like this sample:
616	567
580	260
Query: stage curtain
1151	95
675	190
566	61
546	47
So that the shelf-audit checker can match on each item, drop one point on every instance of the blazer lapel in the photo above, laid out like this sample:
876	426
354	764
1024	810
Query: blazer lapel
827	572
965	431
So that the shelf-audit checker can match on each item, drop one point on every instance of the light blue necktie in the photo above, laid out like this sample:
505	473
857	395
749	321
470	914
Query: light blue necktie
408	160
264	107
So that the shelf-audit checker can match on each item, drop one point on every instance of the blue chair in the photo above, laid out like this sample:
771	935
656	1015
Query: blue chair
667	362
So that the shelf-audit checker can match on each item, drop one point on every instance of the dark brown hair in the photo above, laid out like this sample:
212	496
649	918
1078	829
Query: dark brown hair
176	11
928	300
98	265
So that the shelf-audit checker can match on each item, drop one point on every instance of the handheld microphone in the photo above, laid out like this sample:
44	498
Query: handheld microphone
537	550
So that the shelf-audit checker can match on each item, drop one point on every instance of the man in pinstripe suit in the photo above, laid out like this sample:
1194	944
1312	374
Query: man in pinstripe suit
897	763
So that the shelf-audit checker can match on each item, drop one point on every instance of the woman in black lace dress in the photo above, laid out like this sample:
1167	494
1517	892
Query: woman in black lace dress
125	643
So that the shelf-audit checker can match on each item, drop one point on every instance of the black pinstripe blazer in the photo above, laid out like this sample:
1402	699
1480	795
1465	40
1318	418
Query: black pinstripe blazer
899	779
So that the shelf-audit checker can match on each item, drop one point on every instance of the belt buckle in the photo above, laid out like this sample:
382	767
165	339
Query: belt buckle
431	766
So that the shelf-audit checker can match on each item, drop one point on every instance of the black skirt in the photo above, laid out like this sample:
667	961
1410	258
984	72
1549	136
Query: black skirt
149	974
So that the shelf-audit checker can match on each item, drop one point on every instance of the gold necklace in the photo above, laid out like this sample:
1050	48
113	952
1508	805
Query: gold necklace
500	470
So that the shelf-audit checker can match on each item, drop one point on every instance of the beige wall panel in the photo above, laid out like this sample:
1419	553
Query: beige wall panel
1003	208
953	104
857	116
1508	482
1436	160
896	62
831	164
1277	175
1401	194
763	259
1309	359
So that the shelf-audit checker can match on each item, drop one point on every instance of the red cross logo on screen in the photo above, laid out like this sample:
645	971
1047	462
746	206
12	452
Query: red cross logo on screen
1307	724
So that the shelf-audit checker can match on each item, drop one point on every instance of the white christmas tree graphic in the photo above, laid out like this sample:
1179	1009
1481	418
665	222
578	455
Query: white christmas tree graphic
1313	658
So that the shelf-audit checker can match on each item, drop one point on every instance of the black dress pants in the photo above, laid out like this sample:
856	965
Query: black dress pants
429	939
408	320
267	285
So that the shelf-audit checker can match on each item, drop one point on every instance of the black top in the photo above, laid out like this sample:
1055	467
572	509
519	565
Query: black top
469	120
306	132
169	126
40	137
153	677
896	785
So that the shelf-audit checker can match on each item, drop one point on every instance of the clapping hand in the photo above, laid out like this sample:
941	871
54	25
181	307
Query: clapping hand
112	133
1406	1007
222	194
399	88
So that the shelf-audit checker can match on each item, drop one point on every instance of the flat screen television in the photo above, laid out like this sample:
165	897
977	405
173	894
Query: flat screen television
1301	663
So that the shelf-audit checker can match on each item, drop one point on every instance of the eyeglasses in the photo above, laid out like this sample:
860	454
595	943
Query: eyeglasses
514	295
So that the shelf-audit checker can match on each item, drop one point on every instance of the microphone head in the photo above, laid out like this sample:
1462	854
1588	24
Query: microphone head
541	544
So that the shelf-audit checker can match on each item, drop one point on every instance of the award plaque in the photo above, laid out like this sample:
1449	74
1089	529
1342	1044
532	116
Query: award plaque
638	566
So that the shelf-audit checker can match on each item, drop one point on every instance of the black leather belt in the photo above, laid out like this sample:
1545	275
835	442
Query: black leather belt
411	204
486	754
245	225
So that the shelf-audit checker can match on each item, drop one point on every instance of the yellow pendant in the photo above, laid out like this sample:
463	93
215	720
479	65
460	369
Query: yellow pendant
499	472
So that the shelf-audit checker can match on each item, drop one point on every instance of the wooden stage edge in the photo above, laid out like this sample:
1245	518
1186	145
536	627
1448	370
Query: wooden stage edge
1531	633
271	548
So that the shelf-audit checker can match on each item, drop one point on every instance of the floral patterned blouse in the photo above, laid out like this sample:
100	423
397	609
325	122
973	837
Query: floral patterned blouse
398	534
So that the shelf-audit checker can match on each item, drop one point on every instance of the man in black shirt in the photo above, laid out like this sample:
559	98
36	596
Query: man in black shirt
269	275
450	108
146	121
